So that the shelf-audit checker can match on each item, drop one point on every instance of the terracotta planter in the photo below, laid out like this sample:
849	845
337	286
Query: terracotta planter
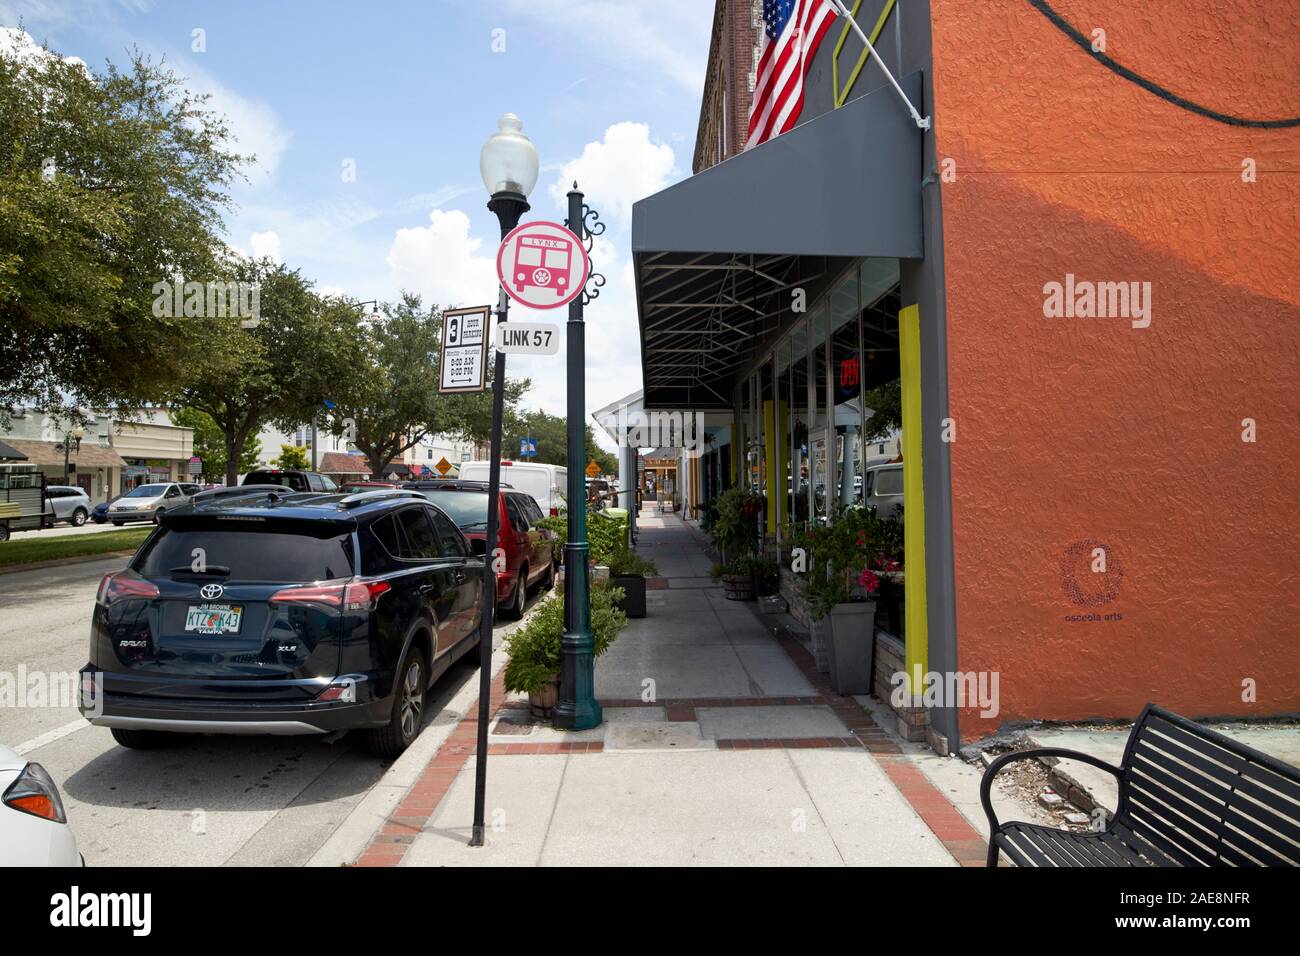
543	700
738	587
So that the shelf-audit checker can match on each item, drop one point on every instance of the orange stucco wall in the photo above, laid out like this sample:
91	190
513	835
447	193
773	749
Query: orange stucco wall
1082	433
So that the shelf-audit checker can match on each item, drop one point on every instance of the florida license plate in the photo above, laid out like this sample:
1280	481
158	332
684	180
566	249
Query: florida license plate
213	618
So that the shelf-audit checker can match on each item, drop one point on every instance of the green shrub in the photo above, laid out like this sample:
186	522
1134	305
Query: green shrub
534	648
627	562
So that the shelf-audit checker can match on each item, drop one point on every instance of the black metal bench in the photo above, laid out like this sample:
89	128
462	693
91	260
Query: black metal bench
1188	796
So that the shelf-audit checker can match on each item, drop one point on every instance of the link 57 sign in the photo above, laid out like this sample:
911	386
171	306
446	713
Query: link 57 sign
464	350
528	338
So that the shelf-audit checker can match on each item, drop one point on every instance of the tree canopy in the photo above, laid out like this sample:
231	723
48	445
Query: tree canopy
109	183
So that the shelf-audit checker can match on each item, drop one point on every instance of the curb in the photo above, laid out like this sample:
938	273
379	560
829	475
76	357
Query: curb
60	562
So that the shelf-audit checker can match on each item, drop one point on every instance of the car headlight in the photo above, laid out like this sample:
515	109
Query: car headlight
34	792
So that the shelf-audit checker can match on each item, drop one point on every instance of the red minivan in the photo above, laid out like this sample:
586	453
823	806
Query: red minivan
527	556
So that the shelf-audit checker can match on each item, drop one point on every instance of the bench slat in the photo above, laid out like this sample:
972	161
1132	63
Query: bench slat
1285	781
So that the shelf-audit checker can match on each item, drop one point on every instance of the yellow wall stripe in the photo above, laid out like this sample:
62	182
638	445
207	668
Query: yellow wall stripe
917	638
842	96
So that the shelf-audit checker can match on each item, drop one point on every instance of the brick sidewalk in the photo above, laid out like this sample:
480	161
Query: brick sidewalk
763	696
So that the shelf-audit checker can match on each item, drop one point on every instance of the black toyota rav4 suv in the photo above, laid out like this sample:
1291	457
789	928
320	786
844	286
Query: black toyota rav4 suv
277	612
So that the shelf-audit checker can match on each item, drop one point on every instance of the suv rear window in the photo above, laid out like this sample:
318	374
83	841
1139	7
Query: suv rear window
468	509
275	552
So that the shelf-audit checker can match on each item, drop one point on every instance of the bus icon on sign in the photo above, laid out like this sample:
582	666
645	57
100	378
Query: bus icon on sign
542	262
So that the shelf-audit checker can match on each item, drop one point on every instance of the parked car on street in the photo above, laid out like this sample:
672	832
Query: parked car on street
148	502
883	488
33	824
367	485
528	556
99	513
297	480
69	503
309	614
546	483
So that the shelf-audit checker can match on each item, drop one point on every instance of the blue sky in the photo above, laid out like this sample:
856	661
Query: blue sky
406	93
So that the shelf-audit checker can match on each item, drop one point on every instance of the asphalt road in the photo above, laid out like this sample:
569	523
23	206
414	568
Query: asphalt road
204	801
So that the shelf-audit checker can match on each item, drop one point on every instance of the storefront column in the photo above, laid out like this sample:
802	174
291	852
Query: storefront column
775	421
916	635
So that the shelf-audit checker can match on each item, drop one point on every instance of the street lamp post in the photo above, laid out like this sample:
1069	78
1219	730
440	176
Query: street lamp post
577	707
509	168
73	434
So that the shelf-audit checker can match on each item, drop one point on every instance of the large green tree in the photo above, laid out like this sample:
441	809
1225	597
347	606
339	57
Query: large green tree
393	401
109	183
302	351
552	435
210	444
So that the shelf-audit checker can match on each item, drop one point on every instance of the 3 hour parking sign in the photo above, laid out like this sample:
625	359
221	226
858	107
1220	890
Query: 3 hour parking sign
464	349
542	265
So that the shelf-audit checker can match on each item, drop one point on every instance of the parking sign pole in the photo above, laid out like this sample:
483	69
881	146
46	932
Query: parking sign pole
509	207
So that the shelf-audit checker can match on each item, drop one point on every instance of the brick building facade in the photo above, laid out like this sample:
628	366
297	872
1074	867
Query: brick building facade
729	83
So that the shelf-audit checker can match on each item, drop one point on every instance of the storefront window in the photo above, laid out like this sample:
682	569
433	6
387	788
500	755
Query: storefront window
846	391
798	398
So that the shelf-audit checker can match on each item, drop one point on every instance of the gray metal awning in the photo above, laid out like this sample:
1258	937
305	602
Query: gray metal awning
715	256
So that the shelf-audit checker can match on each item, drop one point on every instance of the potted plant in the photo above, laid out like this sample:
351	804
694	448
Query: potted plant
737	581
841	586
534	648
628	571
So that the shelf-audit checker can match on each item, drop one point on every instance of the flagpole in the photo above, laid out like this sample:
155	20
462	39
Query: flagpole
922	122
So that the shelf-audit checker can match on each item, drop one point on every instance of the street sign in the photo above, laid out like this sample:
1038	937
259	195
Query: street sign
443	466
464	349
196	465
593	469
542	265
527	446
527	338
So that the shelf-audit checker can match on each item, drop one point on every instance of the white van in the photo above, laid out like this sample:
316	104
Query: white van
546	483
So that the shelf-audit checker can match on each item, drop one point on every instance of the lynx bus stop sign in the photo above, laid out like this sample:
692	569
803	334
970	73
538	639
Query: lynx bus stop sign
542	265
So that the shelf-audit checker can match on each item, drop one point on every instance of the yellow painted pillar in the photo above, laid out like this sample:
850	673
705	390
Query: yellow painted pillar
775	452
917	639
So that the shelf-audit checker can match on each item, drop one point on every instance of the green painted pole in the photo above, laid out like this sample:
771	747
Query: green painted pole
577	708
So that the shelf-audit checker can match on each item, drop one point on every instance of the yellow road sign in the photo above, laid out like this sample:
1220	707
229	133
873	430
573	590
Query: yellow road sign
443	467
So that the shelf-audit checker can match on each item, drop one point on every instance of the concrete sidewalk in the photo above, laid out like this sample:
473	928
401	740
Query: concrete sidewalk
721	745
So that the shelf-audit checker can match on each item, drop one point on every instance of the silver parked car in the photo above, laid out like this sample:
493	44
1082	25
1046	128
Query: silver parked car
69	503
146	502
883	488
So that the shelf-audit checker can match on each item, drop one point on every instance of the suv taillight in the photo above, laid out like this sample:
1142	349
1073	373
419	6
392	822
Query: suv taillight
360	594
121	585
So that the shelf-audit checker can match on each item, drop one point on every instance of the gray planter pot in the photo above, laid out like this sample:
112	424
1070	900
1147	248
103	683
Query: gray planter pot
819	633
852	632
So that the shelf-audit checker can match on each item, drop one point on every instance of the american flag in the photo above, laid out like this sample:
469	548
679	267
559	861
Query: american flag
792	31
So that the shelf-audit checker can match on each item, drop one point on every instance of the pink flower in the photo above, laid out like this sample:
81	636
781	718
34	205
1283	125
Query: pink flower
869	580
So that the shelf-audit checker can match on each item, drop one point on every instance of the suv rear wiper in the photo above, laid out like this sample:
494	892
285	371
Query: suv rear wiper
209	569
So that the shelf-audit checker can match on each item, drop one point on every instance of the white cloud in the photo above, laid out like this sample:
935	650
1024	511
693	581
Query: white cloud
634	34
254	128
266	244
623	167
442	262
19	45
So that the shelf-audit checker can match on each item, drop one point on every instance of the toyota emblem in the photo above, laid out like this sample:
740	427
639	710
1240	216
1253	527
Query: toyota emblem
211	592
